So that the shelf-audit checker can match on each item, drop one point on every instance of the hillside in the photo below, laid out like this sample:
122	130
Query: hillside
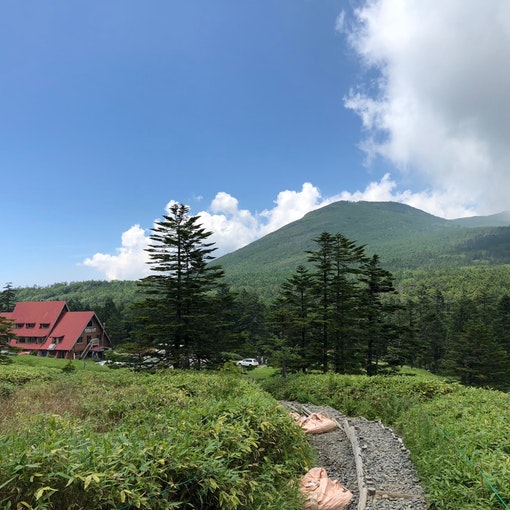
411	243
91	293
405	238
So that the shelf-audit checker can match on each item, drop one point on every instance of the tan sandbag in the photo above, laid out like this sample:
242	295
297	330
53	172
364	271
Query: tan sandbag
295	416
316	424
322	493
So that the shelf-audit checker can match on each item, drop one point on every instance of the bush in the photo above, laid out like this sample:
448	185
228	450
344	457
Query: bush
131	440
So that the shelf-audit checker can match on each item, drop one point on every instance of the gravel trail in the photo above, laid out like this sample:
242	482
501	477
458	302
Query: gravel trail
369	459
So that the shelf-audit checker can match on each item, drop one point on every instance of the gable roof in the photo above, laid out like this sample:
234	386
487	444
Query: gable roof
37	313
68	329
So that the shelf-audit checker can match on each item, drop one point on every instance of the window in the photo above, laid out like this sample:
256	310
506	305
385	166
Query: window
30	325
44	325
80	340
19	325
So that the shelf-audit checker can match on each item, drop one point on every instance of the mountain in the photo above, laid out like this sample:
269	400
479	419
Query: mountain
405	238
411	243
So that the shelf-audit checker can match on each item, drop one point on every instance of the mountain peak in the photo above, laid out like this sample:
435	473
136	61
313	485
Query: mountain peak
404	237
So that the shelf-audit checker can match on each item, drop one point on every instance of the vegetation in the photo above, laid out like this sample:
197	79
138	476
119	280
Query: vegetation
337	311
332	316
306	299
465	338
214	440
89	294
125	440
5	335
183	312
405	239
457	435
7	298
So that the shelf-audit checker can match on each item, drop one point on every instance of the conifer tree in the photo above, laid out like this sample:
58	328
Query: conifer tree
181	313
248	328
5	335
377	328
293	318
476	358
7	298
502	322
111	315
337	266
426	328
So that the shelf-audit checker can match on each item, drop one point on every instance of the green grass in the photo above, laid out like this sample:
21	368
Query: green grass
28	360
101	438
262	373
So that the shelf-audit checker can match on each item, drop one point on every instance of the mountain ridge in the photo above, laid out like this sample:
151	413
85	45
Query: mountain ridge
404	237
410	243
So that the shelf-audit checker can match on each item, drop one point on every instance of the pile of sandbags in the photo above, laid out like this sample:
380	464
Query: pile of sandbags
321	493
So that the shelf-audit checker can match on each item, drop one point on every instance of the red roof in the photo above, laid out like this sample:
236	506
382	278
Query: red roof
69	328
37	317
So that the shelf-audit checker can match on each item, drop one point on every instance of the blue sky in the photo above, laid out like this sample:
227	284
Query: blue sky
251	112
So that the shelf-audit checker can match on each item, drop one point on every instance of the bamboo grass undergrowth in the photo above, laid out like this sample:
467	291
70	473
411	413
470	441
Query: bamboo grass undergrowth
118	439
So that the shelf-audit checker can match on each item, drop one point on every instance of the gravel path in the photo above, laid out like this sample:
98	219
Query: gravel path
369	459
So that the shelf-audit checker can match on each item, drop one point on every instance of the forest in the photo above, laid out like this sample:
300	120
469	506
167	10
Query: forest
338	310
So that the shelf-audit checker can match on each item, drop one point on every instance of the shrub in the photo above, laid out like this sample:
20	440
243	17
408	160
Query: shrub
131	440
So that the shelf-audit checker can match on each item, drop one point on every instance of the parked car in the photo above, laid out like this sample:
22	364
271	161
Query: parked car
248	362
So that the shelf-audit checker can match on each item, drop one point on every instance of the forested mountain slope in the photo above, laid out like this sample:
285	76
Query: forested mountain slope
405	238
89	294
408	241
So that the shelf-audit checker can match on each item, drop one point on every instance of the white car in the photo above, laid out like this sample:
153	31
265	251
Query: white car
248	362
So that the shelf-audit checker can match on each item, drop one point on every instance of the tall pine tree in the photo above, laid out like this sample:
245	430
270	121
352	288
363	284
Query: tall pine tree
7	298
6	335
332	315
376	312
337	266
292	320
181	313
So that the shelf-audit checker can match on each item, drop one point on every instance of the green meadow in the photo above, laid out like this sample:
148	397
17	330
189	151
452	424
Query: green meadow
80	436
94	438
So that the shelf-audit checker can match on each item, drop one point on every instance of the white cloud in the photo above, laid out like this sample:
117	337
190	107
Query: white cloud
438	107
291	206
444	205
129	263
233	227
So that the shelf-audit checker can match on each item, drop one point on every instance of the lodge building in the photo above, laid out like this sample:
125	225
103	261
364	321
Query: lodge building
49	328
